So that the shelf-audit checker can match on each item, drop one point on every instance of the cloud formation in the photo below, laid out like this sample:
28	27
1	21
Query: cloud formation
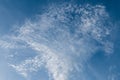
65	37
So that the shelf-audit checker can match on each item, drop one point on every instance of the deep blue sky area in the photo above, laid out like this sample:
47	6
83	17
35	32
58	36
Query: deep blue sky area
16	12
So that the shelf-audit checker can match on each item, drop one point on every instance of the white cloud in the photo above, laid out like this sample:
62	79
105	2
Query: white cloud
4	44
65	37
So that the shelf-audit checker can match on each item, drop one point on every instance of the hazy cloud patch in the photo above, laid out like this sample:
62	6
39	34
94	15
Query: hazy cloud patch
65	37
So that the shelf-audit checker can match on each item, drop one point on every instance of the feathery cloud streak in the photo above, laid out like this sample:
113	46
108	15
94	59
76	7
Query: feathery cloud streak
65	37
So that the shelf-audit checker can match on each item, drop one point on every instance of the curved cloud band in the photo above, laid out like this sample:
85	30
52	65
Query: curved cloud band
65	37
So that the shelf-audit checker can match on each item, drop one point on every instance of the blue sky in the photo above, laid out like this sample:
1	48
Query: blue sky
59	40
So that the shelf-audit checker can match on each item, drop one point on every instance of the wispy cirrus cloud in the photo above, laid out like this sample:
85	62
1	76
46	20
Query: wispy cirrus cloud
65	37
